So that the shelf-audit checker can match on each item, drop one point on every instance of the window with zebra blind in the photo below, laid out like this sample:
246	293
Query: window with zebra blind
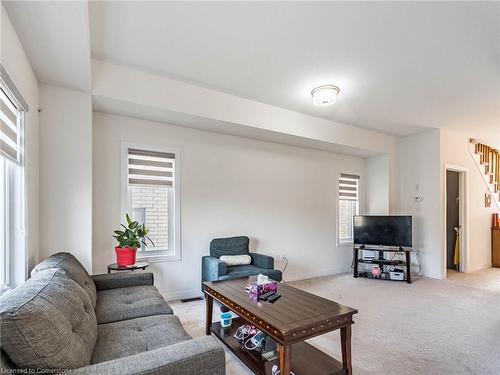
348	205
152	196
13	109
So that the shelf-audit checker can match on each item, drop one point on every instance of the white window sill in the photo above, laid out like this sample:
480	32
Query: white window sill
156	258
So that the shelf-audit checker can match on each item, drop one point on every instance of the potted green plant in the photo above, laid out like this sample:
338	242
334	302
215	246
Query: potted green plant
129	239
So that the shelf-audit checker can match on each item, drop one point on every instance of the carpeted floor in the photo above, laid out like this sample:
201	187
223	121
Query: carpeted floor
429	327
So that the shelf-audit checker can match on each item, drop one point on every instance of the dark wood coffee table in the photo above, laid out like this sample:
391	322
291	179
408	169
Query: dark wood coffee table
292	319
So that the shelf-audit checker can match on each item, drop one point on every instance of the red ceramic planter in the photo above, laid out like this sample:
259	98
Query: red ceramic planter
125	256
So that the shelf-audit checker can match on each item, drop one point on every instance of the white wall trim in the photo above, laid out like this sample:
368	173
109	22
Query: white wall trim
193	293
480	268
182	294
314	274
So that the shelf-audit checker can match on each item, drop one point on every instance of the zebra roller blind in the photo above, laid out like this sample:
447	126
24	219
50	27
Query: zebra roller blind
150	167
349	187
10	123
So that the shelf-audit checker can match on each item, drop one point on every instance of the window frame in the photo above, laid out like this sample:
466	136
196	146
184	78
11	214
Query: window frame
347	242
160	255
15	242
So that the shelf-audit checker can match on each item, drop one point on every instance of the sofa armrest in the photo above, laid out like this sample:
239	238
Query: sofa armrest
201	356
212	268
122	279
262	261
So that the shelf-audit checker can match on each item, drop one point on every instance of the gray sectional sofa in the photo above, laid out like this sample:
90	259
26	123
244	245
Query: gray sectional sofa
62	318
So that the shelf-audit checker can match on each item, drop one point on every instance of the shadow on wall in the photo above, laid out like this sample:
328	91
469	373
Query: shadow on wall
253	245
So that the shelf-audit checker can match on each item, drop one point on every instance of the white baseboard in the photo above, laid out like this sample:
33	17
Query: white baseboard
182	294
193	293
479	268
318	273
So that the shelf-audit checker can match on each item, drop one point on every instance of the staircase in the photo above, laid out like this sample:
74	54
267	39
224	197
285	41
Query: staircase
488	162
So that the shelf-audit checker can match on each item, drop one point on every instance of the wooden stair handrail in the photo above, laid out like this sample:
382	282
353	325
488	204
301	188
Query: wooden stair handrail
489	157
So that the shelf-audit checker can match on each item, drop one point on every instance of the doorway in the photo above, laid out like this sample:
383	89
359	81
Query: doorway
455	251
452	219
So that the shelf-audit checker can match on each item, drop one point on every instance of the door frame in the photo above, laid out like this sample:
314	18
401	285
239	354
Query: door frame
463	218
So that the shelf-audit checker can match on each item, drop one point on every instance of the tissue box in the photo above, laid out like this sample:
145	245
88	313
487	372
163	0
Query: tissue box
255	290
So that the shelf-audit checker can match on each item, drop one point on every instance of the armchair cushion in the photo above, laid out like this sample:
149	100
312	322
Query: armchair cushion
262	261
250	270
212	268
122	279
229	246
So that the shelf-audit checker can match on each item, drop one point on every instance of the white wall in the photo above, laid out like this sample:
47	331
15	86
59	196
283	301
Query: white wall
377	185
419	174
158	92
282	197
131	92
455	150
17	65
66	173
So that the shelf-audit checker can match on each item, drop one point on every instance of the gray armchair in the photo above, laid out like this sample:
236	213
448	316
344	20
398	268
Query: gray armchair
215	269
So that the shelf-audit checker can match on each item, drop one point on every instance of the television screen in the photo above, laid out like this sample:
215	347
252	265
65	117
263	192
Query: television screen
383	230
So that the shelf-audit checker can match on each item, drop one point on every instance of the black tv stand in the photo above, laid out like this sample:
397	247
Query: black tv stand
381	261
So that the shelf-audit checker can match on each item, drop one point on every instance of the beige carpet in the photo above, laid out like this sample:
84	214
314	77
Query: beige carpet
429	327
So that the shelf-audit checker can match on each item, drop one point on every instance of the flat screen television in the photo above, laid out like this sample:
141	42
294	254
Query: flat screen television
382	230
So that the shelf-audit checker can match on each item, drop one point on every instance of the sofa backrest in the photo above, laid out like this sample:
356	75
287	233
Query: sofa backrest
48	322
229	246
73	268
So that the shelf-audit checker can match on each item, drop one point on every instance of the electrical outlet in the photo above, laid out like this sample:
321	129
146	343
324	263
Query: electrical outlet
284	258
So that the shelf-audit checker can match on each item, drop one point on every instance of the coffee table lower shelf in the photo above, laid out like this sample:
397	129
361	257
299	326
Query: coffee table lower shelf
306	359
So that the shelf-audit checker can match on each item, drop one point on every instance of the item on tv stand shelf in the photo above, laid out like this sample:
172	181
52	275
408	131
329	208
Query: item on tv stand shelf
369	254
397	275
376	272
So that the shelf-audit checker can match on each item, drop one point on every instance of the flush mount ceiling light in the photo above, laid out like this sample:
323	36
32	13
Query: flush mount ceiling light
325	95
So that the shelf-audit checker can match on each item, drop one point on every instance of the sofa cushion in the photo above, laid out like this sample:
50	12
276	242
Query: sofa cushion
73	268
250	270
48	322
133	336
128	303
229	246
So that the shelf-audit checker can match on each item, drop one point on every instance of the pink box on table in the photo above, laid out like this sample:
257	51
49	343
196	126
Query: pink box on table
255	290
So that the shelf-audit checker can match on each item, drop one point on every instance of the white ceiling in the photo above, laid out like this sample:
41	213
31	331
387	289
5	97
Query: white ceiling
55	37
401	67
